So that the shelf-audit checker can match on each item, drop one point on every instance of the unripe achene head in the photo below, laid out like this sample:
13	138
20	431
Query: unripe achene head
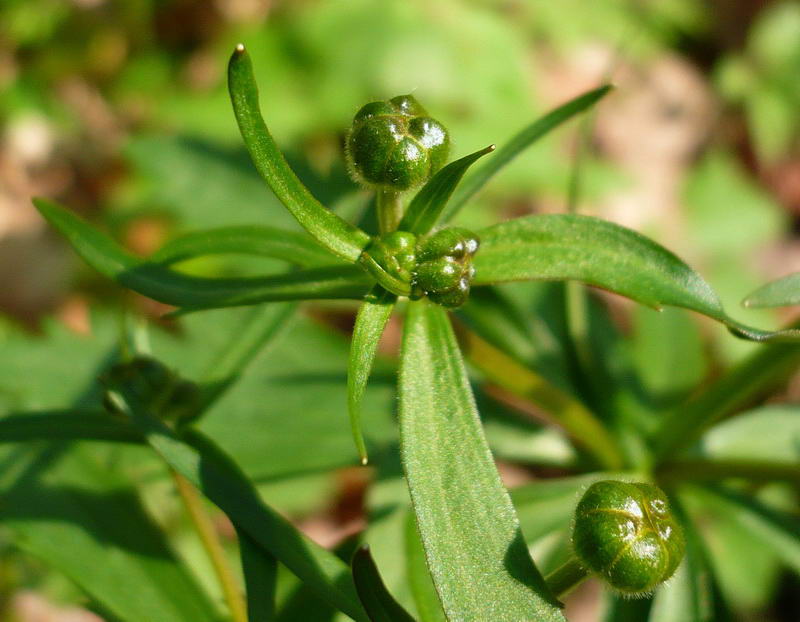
395	145
626	533
444	266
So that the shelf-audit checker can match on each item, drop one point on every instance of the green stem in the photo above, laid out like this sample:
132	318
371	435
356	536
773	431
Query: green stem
706	469
561	408
390	210
566	577
769	367
210	540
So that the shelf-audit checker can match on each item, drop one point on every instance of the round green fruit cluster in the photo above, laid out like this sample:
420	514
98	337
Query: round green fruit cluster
395	145
626	533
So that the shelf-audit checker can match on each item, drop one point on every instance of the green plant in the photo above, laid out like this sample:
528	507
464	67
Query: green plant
467	555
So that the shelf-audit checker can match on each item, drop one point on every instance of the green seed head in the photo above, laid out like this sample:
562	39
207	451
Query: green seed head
395	145
391	259
444	266
626	533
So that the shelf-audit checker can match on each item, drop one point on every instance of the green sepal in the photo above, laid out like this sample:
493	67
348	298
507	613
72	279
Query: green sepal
391	260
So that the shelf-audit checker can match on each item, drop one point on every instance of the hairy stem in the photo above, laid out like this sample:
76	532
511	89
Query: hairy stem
210	540
390	210
566	577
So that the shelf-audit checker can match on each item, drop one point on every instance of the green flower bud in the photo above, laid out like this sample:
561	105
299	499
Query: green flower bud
395	145
151	384
626	533
444	266
391	259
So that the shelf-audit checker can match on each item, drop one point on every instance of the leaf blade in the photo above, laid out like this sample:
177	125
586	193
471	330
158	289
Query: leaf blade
296	248
66	425
220	479
378	602
171	287
606	255
518	143
467	523
427	205
781	292
330	230
369	325
260	571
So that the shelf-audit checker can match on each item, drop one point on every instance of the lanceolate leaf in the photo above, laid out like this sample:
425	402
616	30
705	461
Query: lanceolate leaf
216	476
68	508
67	425
524	139
691	595
260	571
600	253
370	322
426	207
378	602
342	238
780	293
296	248
165	285
478	558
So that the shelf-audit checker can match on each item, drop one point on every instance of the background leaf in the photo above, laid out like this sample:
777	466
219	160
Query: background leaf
377	600
780	293
468	526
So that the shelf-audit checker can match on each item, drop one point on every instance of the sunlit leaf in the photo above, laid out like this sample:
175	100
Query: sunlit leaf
425	208
342	238
367	331
291	246
521	141
603	254
469	530
165	285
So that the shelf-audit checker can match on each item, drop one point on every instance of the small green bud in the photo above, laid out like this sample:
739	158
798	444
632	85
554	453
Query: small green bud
444	266
153	385
395	145
626	533
391	259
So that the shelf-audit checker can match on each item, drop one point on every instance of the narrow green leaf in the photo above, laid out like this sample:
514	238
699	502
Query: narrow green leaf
777	531
165	285
260	571
429	607
603	254
67	425
264	324
476	553
220	479
767	368
330	230
367	331
296	248
521	141
425	208
68	508
378	602
691	595
779	293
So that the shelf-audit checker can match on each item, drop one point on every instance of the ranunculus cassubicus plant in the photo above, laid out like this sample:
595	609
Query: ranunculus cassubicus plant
630	518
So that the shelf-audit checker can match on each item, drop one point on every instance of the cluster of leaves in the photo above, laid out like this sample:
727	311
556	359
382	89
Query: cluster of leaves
469	531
